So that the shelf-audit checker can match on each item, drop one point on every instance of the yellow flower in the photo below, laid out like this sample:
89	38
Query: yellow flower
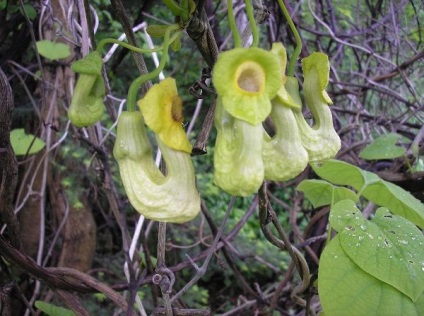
246	79
161	108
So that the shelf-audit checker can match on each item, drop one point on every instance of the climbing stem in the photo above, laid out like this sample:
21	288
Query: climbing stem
298	49
185	11
253	25
136	84
106	41
173	6
233	26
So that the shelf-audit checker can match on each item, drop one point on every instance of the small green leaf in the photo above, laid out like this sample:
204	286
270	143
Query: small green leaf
25	143
321	193
52	50
395	244
157	30
176	44
52	310
30	11
345	289
383	147
3	4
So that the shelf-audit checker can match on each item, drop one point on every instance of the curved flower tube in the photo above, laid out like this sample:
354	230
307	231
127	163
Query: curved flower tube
284	156
246	79
171	198
87	105
162	111
239	169
321	140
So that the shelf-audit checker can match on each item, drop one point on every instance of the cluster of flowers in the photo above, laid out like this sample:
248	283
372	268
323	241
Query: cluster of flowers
251	86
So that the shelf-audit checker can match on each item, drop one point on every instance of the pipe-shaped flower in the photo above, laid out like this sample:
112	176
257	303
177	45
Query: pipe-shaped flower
246	79
171	198
321	140
284	156
87	102
238	162
162	111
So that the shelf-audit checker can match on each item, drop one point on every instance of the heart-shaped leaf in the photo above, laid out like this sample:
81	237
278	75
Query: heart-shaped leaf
23	144
388	248
383	147
321	193
52	50
345	289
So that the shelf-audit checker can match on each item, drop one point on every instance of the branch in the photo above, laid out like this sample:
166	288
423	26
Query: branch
8	163
59	278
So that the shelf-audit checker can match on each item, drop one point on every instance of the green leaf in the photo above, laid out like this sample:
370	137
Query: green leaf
321	193
157	30
52	310
176	44
342	173
345	289
30	11
25	143
383	147
376	190
52	50
397	200
396	246
3	4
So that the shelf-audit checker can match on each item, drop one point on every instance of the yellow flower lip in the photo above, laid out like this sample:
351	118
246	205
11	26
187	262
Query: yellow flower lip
161	108
250	78
246	79
177	109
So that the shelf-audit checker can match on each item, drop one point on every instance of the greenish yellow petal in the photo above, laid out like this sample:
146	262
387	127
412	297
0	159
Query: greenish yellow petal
87	102
279	50
318	62
283	96
162	111
246	79
91	64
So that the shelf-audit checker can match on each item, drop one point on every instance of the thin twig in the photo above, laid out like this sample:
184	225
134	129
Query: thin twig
202	270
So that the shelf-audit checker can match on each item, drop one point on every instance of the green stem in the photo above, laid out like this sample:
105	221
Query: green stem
233	26
185	10
253	26
173	6
136	84
126	45
298	49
